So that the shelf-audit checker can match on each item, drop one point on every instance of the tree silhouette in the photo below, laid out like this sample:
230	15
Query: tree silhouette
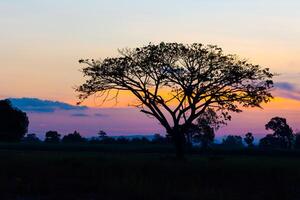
249	139
52	137
270	141
102	134
13	122
207	137
233	141
176	83
204	130
73	138
31	138
297	141
281	130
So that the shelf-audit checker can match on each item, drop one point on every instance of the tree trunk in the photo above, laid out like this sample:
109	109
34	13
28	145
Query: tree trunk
179	142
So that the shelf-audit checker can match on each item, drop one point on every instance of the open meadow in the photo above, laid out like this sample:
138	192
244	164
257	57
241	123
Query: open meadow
61	172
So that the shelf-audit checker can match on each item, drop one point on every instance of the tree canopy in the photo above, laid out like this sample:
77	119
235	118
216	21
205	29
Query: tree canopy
282	131
13	122
52	137
73	138
176	83
249	139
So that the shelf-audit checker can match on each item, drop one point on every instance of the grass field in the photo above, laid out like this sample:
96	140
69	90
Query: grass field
61	174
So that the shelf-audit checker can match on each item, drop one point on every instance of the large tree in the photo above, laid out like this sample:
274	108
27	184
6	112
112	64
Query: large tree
13	122
176	83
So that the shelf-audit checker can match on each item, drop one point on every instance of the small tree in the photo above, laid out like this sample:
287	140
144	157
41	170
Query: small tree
177	83
52	137
204	130
73	138
233	141
249	139
102	134
13	122
281	130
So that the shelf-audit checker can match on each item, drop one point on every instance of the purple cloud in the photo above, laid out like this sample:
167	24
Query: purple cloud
287	90
79	115
285	86
43	106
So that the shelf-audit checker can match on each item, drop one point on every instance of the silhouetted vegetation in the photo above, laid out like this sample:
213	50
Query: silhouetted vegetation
102	134
158	139
52	137
31	138
204	130
249	139
73	138
297	141
282	131
233	141
197	78
142	140
13	122
106	167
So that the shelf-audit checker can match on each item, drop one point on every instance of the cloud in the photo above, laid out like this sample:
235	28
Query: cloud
43	106
287	90
100	115
79	115
285	86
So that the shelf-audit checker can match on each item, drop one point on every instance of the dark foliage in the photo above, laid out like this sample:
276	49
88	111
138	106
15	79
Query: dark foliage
52	137
73	138
204	130
297	141
122	140
197	77
270	141
142	140
13	122
282	131
158	139
249	139
233	141
31	138
102	134
108	140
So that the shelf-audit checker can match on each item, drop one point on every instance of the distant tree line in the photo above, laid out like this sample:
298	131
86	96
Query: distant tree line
201	134
53	137
14	126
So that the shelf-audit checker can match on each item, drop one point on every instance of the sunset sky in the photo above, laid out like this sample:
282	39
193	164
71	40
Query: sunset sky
42	41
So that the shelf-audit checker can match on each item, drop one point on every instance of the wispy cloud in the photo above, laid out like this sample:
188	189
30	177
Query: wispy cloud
43	106
100	115
285	86
287	90
79	115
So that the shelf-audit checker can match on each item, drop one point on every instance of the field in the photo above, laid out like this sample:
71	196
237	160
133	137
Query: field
64	173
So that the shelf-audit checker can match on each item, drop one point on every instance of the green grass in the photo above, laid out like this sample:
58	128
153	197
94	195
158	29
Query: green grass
62	174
